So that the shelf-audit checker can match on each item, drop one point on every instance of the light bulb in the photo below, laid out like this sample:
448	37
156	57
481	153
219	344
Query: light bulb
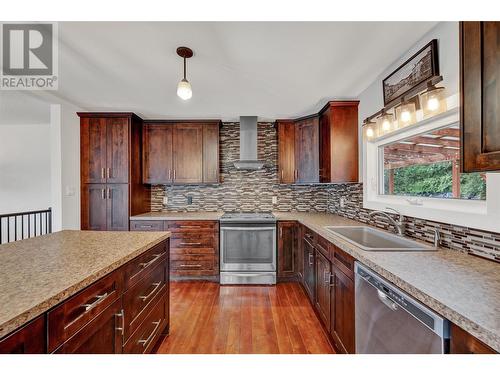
369	132
386	125
184	90
433	104
405	116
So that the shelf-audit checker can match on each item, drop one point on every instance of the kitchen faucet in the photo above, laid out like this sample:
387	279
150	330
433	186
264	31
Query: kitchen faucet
399	225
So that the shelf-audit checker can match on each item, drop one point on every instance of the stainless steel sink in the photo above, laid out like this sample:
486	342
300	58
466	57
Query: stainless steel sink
371	239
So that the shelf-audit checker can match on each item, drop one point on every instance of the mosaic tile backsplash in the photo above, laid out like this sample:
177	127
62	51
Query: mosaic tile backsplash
253	191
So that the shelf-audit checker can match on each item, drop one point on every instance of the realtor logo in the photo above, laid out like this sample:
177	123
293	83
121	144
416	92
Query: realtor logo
29	56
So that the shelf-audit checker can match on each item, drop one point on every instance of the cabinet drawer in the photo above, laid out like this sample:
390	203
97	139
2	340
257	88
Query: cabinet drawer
193	257
323	246
145	336
192	251
191	226
137	299
342	261
138	267
183	240
29	339
147	225
191	265
72	315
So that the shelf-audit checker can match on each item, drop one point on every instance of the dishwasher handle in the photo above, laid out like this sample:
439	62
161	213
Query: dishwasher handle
386	300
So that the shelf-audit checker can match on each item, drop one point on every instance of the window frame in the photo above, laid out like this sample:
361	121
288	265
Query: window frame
480	214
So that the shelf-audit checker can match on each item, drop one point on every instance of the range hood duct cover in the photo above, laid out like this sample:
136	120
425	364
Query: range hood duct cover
248	145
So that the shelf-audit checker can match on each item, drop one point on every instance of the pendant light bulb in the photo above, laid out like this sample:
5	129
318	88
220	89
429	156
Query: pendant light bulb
184	90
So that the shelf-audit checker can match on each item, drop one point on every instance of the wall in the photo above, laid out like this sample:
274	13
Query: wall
243	190
25	167
371	98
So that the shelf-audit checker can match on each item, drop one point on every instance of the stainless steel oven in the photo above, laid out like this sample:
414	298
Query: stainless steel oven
248	248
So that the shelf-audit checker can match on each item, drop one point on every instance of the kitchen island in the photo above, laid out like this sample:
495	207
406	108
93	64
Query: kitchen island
59	292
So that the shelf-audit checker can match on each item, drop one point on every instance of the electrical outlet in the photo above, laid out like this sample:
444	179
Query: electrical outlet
274	199
342	202
165	201
189	199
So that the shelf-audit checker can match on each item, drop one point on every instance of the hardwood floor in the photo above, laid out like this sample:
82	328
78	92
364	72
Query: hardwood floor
206	317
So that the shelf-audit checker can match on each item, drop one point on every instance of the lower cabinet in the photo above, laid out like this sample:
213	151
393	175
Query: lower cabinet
342	312
323	273
101	336
287	249
309	278
29	339
462	342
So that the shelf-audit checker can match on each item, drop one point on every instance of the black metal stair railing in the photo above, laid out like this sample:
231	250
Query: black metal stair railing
22	225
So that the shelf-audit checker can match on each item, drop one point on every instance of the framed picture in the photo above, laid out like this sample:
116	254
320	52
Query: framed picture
418	68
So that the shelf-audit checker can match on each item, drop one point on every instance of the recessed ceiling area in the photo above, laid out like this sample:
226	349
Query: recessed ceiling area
268	69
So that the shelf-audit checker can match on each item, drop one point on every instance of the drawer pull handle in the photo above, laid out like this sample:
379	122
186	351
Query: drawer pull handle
121	315
190	243
145	342
156	286
100	298
311	262
147	264
190	226
145	226
190	265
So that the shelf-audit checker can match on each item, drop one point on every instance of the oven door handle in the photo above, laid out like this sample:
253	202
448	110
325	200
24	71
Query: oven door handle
248	228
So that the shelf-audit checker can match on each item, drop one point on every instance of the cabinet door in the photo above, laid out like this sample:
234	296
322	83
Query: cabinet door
480	94
101	336
287	249
342	312
93	150
307	150
462	342
188	156
309	268
117	150
286	152
93	210
323	270
211	153
28	340
117	207
157	153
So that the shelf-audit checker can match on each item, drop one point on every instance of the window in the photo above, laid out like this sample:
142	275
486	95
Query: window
428	165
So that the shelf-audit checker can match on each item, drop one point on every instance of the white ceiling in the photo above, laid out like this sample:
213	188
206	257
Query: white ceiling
273	70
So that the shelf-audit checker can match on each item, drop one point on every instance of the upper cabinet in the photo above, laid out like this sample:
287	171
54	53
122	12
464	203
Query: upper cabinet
338	149
480	95
181	152
320	148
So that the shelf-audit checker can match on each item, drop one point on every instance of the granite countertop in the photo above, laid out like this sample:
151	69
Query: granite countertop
462	288
167	215
38	273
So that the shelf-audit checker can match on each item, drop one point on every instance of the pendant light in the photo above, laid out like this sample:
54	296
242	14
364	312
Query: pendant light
184	90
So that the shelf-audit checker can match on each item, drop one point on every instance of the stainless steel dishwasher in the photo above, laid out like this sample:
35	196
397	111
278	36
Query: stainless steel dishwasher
390	321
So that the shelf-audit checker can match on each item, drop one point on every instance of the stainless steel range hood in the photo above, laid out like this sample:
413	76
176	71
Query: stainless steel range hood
248	145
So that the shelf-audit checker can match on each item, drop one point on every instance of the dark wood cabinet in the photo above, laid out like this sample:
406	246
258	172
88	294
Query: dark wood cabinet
29	339
188	153
323	276
157	153
287	249
180	152
211	153
94	208
480	95
342	312
307	150
111	170
309	274
101	336
338	126
462	342
117	196
286	151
